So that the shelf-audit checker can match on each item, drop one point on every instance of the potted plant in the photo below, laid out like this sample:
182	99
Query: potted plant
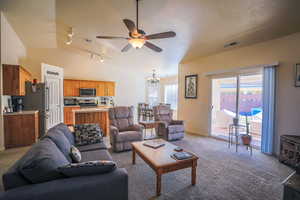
246	138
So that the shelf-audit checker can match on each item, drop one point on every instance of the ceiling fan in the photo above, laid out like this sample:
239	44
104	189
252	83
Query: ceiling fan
137	37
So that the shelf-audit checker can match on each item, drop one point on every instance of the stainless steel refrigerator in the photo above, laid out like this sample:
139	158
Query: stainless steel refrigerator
36	99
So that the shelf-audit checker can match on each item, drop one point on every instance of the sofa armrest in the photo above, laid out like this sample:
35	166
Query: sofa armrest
114	130
113	185
177	122
136	127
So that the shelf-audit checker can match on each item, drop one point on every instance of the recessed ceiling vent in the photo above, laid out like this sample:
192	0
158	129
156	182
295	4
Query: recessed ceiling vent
231	44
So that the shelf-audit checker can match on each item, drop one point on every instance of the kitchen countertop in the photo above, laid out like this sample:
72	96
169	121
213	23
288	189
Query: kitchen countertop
24	112
87	110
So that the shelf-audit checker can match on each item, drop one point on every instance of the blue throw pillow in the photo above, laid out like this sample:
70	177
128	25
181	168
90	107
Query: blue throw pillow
43	164
88	168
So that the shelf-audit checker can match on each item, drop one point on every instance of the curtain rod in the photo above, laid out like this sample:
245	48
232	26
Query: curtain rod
218	72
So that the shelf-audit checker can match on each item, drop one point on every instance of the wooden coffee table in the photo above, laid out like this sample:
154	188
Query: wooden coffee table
161	162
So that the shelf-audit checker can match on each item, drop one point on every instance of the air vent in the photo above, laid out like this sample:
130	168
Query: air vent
231	44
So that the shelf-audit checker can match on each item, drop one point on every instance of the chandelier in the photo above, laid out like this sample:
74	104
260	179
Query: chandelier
154	80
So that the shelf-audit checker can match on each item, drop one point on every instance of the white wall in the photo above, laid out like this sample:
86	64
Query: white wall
13	51
196	112
128	75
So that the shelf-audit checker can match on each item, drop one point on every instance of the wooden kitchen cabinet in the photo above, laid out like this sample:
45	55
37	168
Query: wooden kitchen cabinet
88	84
21	129
71	88
103	88
68	114
14	78
109	88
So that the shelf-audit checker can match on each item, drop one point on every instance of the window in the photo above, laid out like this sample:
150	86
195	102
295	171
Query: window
171	95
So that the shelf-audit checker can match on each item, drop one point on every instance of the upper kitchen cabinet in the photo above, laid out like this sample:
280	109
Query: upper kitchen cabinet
71	88
109	89
14	78
88	84
103	88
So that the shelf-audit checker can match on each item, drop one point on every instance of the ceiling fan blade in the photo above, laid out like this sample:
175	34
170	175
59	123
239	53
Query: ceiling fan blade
153	47
110	37
130	25
161	35
126	48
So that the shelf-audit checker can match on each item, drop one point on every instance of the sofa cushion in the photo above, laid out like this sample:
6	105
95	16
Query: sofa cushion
176	128
128	136
87	134
43	164
66	131
61	141
95	155
75	154
91	147
88	168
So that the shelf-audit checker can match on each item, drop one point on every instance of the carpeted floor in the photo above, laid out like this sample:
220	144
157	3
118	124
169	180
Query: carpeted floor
222	174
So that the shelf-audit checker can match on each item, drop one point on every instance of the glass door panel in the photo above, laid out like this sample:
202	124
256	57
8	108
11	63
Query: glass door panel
224	104
250	105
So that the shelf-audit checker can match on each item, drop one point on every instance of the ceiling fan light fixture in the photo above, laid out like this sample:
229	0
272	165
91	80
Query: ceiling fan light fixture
137	42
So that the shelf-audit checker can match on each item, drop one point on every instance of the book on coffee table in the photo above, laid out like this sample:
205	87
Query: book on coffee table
154	144
182	155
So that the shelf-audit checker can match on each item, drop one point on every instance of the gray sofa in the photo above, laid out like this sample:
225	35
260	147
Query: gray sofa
123	131
45	183
167	128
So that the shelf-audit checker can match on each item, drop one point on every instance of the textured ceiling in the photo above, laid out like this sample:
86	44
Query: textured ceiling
202	26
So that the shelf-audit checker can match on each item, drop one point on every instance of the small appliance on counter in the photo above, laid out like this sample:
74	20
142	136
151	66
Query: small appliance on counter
70	102
17	103
107	101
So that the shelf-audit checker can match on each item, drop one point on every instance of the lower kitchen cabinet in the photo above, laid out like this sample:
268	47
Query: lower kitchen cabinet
21	129
68	114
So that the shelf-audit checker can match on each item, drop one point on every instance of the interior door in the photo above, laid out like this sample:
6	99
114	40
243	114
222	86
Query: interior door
53	78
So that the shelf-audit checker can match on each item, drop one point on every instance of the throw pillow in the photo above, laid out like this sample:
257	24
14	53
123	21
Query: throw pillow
43	163
87	134
87	168
75	154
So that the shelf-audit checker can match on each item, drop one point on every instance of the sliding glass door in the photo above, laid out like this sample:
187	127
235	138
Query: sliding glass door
237	97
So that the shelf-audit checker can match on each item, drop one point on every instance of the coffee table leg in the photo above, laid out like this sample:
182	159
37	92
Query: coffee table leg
158	183
133	155
194	167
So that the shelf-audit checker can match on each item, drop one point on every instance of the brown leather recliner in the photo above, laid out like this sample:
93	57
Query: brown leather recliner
168	128
123	131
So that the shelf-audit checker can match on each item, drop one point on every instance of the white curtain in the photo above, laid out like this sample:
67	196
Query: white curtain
171	95
269	83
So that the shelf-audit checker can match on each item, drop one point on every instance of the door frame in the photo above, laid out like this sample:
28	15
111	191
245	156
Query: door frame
237	76
47	69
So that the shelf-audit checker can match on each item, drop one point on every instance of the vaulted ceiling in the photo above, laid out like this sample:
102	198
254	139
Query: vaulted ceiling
203	27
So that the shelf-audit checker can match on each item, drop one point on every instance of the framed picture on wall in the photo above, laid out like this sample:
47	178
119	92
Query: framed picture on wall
191	85
297	75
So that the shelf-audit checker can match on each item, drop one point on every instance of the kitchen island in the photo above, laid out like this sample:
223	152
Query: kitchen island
97	115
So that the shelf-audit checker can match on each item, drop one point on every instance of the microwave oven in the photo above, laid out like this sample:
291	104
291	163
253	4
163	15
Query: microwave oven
87	92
